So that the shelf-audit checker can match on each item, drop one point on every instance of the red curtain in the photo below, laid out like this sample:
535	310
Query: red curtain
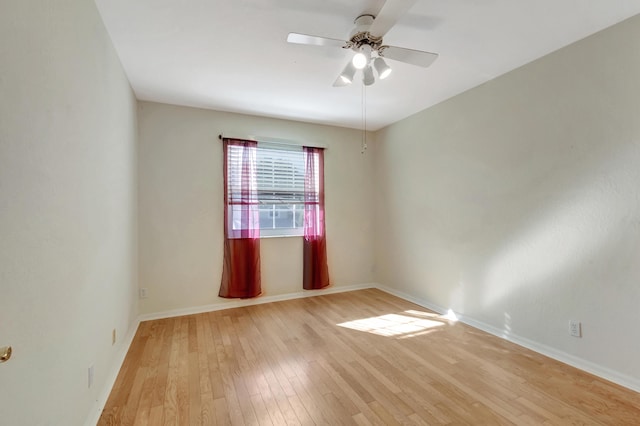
241	267
315	269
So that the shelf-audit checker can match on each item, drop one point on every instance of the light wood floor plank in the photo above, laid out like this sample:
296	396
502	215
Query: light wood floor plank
357	358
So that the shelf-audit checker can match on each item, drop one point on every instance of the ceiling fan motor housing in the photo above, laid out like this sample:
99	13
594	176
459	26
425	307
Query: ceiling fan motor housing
360	35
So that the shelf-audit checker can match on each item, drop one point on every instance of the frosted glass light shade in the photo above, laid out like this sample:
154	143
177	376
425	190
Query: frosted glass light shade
382	68
347	73
363	57
359	60
368	77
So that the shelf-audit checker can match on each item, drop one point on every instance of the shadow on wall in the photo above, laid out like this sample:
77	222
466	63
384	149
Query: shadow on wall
572	237
574	225
573	253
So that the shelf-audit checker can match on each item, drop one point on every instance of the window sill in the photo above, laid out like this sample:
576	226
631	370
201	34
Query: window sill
281	232
268	237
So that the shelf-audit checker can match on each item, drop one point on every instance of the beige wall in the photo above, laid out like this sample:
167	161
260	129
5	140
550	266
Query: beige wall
67	210
181	206
517	203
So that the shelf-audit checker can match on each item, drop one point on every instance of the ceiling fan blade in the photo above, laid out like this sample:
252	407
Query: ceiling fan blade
391	11
314	40
409	56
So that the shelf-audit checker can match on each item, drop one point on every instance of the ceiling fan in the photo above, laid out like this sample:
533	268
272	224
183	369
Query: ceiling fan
366	40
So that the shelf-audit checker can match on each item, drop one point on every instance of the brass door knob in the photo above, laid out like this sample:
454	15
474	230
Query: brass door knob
5	354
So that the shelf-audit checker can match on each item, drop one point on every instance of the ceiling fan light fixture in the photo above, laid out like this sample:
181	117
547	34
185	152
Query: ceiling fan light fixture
347	73
366	44
368	77
382	68
362	58
359	61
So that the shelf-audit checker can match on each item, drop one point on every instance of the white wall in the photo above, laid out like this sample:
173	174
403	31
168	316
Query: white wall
67	209
517	203
181	206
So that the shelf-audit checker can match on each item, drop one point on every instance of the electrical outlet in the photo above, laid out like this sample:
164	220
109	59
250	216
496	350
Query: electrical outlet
575	328
90	376
113	337
143	293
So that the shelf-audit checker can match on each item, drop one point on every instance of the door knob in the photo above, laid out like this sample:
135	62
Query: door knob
5	354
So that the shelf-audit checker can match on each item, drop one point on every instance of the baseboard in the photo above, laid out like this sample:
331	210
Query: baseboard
237	303
410	298
574	361
579	363
118	360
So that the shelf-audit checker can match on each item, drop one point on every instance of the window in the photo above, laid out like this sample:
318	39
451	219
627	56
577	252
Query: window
279	184
280	180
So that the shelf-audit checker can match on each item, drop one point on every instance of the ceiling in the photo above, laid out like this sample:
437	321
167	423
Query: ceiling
233	55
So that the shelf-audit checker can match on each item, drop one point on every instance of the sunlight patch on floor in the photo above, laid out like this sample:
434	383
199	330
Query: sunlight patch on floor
395	325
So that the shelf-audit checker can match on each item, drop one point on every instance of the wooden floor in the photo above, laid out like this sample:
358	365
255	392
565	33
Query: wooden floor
362	357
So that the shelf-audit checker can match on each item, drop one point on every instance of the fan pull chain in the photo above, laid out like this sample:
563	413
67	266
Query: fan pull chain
364	119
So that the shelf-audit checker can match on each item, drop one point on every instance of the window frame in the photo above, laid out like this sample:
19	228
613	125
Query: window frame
291	148
268	151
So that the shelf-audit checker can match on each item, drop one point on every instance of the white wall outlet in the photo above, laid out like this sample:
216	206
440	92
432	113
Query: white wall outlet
90	376
143	293
113	337
575	328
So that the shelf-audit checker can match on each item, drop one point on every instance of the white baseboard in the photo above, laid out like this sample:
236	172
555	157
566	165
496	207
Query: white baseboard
236	303
103	396
582	364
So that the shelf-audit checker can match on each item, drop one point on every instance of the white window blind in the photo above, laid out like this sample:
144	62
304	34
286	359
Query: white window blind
280	182
280	175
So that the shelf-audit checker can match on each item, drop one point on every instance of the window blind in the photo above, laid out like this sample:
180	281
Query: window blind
280	174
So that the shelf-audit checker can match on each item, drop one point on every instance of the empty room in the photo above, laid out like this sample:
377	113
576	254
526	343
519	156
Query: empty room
270	212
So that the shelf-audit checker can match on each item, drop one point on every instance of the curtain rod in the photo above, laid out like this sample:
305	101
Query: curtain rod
275	141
